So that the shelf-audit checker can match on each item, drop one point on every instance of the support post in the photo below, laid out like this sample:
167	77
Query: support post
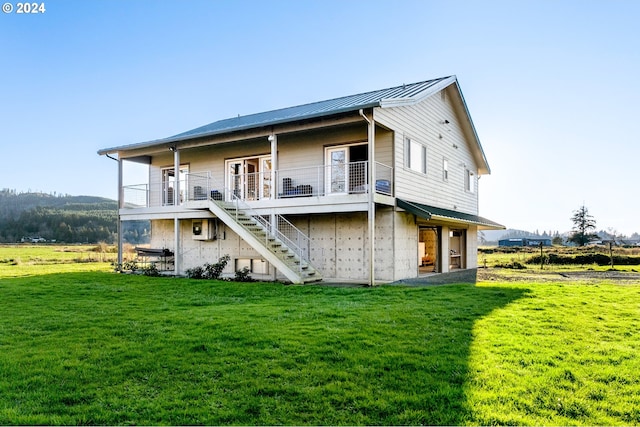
611	253
120	204
371	185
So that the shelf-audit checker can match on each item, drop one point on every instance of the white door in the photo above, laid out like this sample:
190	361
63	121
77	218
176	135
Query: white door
265	178
252	180
337	174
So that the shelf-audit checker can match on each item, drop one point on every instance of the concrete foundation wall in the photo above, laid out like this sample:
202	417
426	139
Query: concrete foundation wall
406	246
339	246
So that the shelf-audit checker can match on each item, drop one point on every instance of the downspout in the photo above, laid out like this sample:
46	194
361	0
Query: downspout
120	202
371	208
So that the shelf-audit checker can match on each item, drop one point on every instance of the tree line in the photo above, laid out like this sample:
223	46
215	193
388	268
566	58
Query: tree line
64	219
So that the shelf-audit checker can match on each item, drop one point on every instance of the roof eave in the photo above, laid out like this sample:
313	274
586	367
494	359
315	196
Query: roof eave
177	139
483	169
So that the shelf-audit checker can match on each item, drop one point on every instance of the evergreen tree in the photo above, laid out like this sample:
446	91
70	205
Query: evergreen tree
583	227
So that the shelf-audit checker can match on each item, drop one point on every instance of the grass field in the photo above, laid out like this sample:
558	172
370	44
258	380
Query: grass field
93	347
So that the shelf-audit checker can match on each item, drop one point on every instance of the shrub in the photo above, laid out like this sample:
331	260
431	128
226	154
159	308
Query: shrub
242	275
585	259
213	271
209	271
195	273
513	265
150	270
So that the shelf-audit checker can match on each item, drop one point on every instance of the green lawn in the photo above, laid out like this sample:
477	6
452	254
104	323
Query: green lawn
101	348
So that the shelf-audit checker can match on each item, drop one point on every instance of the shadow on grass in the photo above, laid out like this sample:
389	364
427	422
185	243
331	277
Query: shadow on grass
113	349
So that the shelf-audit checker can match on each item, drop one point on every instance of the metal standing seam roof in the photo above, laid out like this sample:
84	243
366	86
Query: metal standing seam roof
315	109
390	96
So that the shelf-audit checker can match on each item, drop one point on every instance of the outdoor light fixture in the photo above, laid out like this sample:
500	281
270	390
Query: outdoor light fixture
173	148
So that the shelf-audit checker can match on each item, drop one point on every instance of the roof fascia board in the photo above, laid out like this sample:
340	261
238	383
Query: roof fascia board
278	127
231	136
424	211
485	169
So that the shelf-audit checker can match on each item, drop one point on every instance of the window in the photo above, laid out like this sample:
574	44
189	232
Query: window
346	168
445	170
416	156
469	181
169	184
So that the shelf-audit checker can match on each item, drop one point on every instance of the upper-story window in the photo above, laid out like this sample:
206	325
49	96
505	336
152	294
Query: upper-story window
415	156
445	170
469	181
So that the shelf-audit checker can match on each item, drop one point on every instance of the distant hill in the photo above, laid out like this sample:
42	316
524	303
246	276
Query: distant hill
63	218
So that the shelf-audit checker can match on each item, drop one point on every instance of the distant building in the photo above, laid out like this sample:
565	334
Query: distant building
525	241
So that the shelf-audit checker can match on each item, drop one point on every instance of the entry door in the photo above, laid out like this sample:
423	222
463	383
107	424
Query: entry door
338	172
252	183
429	250
265	178
236	179
250	178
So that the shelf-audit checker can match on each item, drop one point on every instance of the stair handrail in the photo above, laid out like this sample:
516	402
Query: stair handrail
271	230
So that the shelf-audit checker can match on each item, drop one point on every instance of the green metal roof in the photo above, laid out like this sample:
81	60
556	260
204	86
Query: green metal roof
399	95
429	212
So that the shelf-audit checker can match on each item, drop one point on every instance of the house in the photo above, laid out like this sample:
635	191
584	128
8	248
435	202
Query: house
372	188
525	241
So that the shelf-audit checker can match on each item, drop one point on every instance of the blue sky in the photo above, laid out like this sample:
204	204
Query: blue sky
552	86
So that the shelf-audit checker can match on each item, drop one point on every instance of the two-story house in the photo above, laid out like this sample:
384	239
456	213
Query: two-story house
375	187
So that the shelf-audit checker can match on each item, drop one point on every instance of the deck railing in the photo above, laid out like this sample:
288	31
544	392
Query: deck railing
318	181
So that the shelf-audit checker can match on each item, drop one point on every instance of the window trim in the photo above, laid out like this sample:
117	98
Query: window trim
445	170
409	142
469	181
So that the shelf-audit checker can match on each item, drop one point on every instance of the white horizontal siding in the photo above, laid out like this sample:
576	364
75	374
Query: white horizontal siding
423	123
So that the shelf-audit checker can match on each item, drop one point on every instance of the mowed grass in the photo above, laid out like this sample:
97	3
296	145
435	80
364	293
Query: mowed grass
101	348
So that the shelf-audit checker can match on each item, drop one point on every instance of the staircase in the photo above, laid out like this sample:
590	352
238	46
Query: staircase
267	239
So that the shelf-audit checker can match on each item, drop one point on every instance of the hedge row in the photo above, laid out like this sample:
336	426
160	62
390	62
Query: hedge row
599	259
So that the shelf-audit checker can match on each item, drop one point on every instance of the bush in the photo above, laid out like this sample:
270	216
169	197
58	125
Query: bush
243	275
195	273
131	266
515	265
585	259
150	270
209	271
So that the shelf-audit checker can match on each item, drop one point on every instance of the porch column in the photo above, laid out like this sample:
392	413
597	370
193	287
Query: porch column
446	256
273	138
177	265
120	204
176	173
371	211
